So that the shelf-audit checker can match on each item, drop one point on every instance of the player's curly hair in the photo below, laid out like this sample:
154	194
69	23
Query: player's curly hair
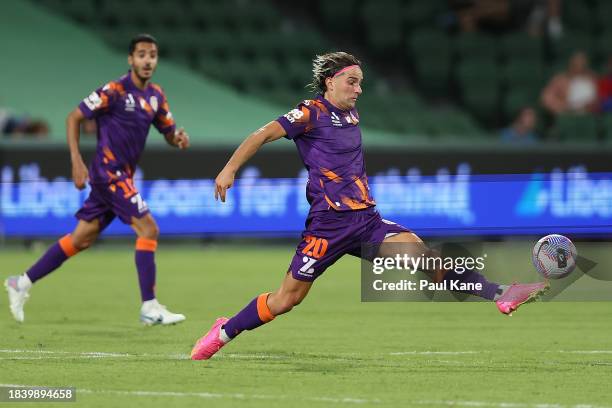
326	65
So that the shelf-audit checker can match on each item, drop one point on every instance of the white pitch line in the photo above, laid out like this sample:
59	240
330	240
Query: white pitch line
585	351
214	395
89	354
428	353
451	403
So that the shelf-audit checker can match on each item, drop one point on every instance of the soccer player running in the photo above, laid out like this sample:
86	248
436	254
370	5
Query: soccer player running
342	214
124	111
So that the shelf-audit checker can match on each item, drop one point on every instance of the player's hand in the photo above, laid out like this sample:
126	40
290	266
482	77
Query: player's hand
224	180
80	174
181	139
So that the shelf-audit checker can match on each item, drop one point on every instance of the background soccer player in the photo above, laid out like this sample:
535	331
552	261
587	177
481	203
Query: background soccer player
342	214
124	111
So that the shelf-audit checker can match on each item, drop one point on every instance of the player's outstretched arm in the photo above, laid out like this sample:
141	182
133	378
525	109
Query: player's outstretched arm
178	138
269	133
73	135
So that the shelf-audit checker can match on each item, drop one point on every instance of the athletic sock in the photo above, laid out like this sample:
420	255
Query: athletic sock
52	259
24	282
145	264
252	316
500	291
488	291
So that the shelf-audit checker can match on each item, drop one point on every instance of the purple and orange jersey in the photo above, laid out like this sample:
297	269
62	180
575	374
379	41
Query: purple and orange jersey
329	142
124	113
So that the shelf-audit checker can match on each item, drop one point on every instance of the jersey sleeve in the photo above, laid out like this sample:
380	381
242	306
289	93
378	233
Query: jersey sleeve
297	121
163	121
100	100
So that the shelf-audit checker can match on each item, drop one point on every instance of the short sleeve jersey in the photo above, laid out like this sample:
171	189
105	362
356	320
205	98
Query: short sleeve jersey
329	142
124	114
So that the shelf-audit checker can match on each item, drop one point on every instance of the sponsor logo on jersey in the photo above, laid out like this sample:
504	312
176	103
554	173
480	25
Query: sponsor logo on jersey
335	119
93	101
294	115
130	103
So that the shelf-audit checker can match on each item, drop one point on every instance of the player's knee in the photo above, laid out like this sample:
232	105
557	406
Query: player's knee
82	243
289	301
281	305
151	231
154	232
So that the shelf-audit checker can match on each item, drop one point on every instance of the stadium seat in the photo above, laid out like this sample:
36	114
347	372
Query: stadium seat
330	10
428	42
212	13
577	128
433	73
430	55
603	15
517	98
578	16
417	12
179	44
256	16
518	46
84	11
480	88
454	124
480	71
383	25
606	126
212	66
298	72
475	45
523	73
571	42
482	100
218	42
604	45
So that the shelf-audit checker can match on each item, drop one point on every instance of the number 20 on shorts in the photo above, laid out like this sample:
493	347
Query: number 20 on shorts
315	247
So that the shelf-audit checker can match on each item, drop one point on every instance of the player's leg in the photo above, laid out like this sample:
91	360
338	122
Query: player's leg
151	312
265	307
80	239
327	238
410	244
507	298
261	310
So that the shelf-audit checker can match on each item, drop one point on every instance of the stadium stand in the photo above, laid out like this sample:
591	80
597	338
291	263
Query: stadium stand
241	44
474	80
213	110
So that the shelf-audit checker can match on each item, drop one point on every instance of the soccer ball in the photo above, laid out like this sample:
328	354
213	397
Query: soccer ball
554	256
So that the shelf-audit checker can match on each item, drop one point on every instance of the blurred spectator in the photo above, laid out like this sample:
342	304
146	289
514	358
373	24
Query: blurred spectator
472	12
604	88
16	126
496	16
545	18
572	91
522	130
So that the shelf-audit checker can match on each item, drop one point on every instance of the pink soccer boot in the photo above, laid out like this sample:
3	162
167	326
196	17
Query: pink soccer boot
519	293
210	343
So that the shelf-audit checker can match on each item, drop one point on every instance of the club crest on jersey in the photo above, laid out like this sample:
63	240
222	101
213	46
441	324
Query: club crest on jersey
154	103
335	119
350	118
130	103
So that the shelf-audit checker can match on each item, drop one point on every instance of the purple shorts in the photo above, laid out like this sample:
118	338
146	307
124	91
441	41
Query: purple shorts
106	201
331	234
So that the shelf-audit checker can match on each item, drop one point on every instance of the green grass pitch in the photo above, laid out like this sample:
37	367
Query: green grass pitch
82	330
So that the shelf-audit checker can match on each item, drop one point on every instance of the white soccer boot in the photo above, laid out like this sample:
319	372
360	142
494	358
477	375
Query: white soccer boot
17	297
152	313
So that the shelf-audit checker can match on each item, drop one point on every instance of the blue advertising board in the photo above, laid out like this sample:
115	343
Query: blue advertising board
571	202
